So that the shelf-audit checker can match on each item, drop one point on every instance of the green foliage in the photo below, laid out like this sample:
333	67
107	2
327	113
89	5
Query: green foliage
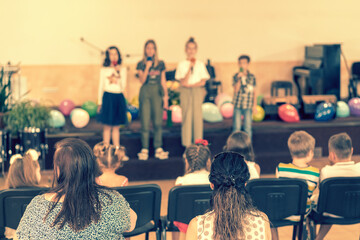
27	114
5	91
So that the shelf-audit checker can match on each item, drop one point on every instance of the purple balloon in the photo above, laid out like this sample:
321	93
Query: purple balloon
354	105
66	106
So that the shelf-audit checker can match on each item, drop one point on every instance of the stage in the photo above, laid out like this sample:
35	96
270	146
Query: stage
269	140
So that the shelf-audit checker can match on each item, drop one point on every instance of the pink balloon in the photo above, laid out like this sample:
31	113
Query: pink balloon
176	114
66	106
288	113
222	98
227	110
164	115
79	117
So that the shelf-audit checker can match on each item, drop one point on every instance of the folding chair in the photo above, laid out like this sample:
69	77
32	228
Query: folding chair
279	199
145	200
185	203
13	203
338	196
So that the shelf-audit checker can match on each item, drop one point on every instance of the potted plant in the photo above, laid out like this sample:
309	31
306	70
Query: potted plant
5	92
27	114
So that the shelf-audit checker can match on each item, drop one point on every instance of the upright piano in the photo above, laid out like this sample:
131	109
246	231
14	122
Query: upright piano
320	73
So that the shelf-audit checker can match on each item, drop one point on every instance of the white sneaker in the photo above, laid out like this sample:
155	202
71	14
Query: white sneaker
143	155
161	154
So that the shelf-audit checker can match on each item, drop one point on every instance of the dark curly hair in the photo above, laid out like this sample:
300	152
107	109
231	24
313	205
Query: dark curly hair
230	201
107	62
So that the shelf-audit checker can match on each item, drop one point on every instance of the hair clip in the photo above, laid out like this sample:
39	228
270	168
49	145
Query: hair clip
203	142
34	154
233	182
14	158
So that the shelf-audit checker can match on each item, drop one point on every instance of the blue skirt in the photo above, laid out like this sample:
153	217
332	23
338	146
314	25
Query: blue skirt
113	110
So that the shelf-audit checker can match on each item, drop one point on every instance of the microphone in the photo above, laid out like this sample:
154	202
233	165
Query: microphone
192	60
150	59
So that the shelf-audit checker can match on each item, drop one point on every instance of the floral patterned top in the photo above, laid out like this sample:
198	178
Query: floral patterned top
114	220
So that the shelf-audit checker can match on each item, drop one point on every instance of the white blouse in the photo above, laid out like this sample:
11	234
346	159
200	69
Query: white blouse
111	81
197	177
199	71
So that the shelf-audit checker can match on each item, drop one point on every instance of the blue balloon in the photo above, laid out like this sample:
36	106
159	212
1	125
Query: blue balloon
342	109
325	112
134	111
211	113
56	119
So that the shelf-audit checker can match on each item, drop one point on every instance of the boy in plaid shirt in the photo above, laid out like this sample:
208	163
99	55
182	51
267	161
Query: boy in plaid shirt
244	96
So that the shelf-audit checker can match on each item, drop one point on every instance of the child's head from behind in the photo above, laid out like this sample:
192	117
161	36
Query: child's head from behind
340	147
301	145
230	201
109	156
243	62
240	142
24	171
197	157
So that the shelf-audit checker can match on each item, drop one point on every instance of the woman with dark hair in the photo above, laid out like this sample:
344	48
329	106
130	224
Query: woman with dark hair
76	207
192	74
153	99
232	214
111	101
240	142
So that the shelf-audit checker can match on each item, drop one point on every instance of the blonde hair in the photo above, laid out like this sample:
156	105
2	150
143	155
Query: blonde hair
22	171
156	58
300	143
109	156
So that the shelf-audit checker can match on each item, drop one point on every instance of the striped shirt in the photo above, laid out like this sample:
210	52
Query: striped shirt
310	174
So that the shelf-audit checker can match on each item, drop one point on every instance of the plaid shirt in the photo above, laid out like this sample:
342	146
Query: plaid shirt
244	98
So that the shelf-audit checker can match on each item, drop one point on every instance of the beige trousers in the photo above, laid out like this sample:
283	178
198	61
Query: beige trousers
191	100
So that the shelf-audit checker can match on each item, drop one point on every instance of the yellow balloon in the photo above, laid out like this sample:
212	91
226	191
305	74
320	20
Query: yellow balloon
259	115
135	101
175	85
169	84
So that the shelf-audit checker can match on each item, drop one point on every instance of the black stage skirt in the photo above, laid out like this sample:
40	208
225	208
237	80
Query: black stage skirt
113	110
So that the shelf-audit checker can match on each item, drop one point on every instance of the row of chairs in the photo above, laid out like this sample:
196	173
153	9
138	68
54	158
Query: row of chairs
278	198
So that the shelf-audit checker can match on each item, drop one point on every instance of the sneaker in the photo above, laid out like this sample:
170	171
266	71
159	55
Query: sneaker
143	155
161	154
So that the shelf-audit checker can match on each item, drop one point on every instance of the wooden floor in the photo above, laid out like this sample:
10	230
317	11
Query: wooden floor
348	232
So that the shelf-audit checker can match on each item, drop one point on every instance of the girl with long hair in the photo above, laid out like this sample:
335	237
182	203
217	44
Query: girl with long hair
153	99
192	74
240	142
76	207
110	158
112	103
232	214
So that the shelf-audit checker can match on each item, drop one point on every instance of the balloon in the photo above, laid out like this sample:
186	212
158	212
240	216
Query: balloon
325	111
342	109
57	119
354	105
227	110
176	114
135	102
288	113
66	106
165	115
79	117
259	115
128	114
222	98
134	112
90	107
211	112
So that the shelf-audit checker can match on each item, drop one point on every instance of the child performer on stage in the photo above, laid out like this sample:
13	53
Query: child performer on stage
112	104
192	75
153	99
244	96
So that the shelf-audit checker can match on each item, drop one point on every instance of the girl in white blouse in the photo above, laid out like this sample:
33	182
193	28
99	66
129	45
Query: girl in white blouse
112	104
192	75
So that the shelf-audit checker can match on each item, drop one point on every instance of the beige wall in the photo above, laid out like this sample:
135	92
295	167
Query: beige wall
45	36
